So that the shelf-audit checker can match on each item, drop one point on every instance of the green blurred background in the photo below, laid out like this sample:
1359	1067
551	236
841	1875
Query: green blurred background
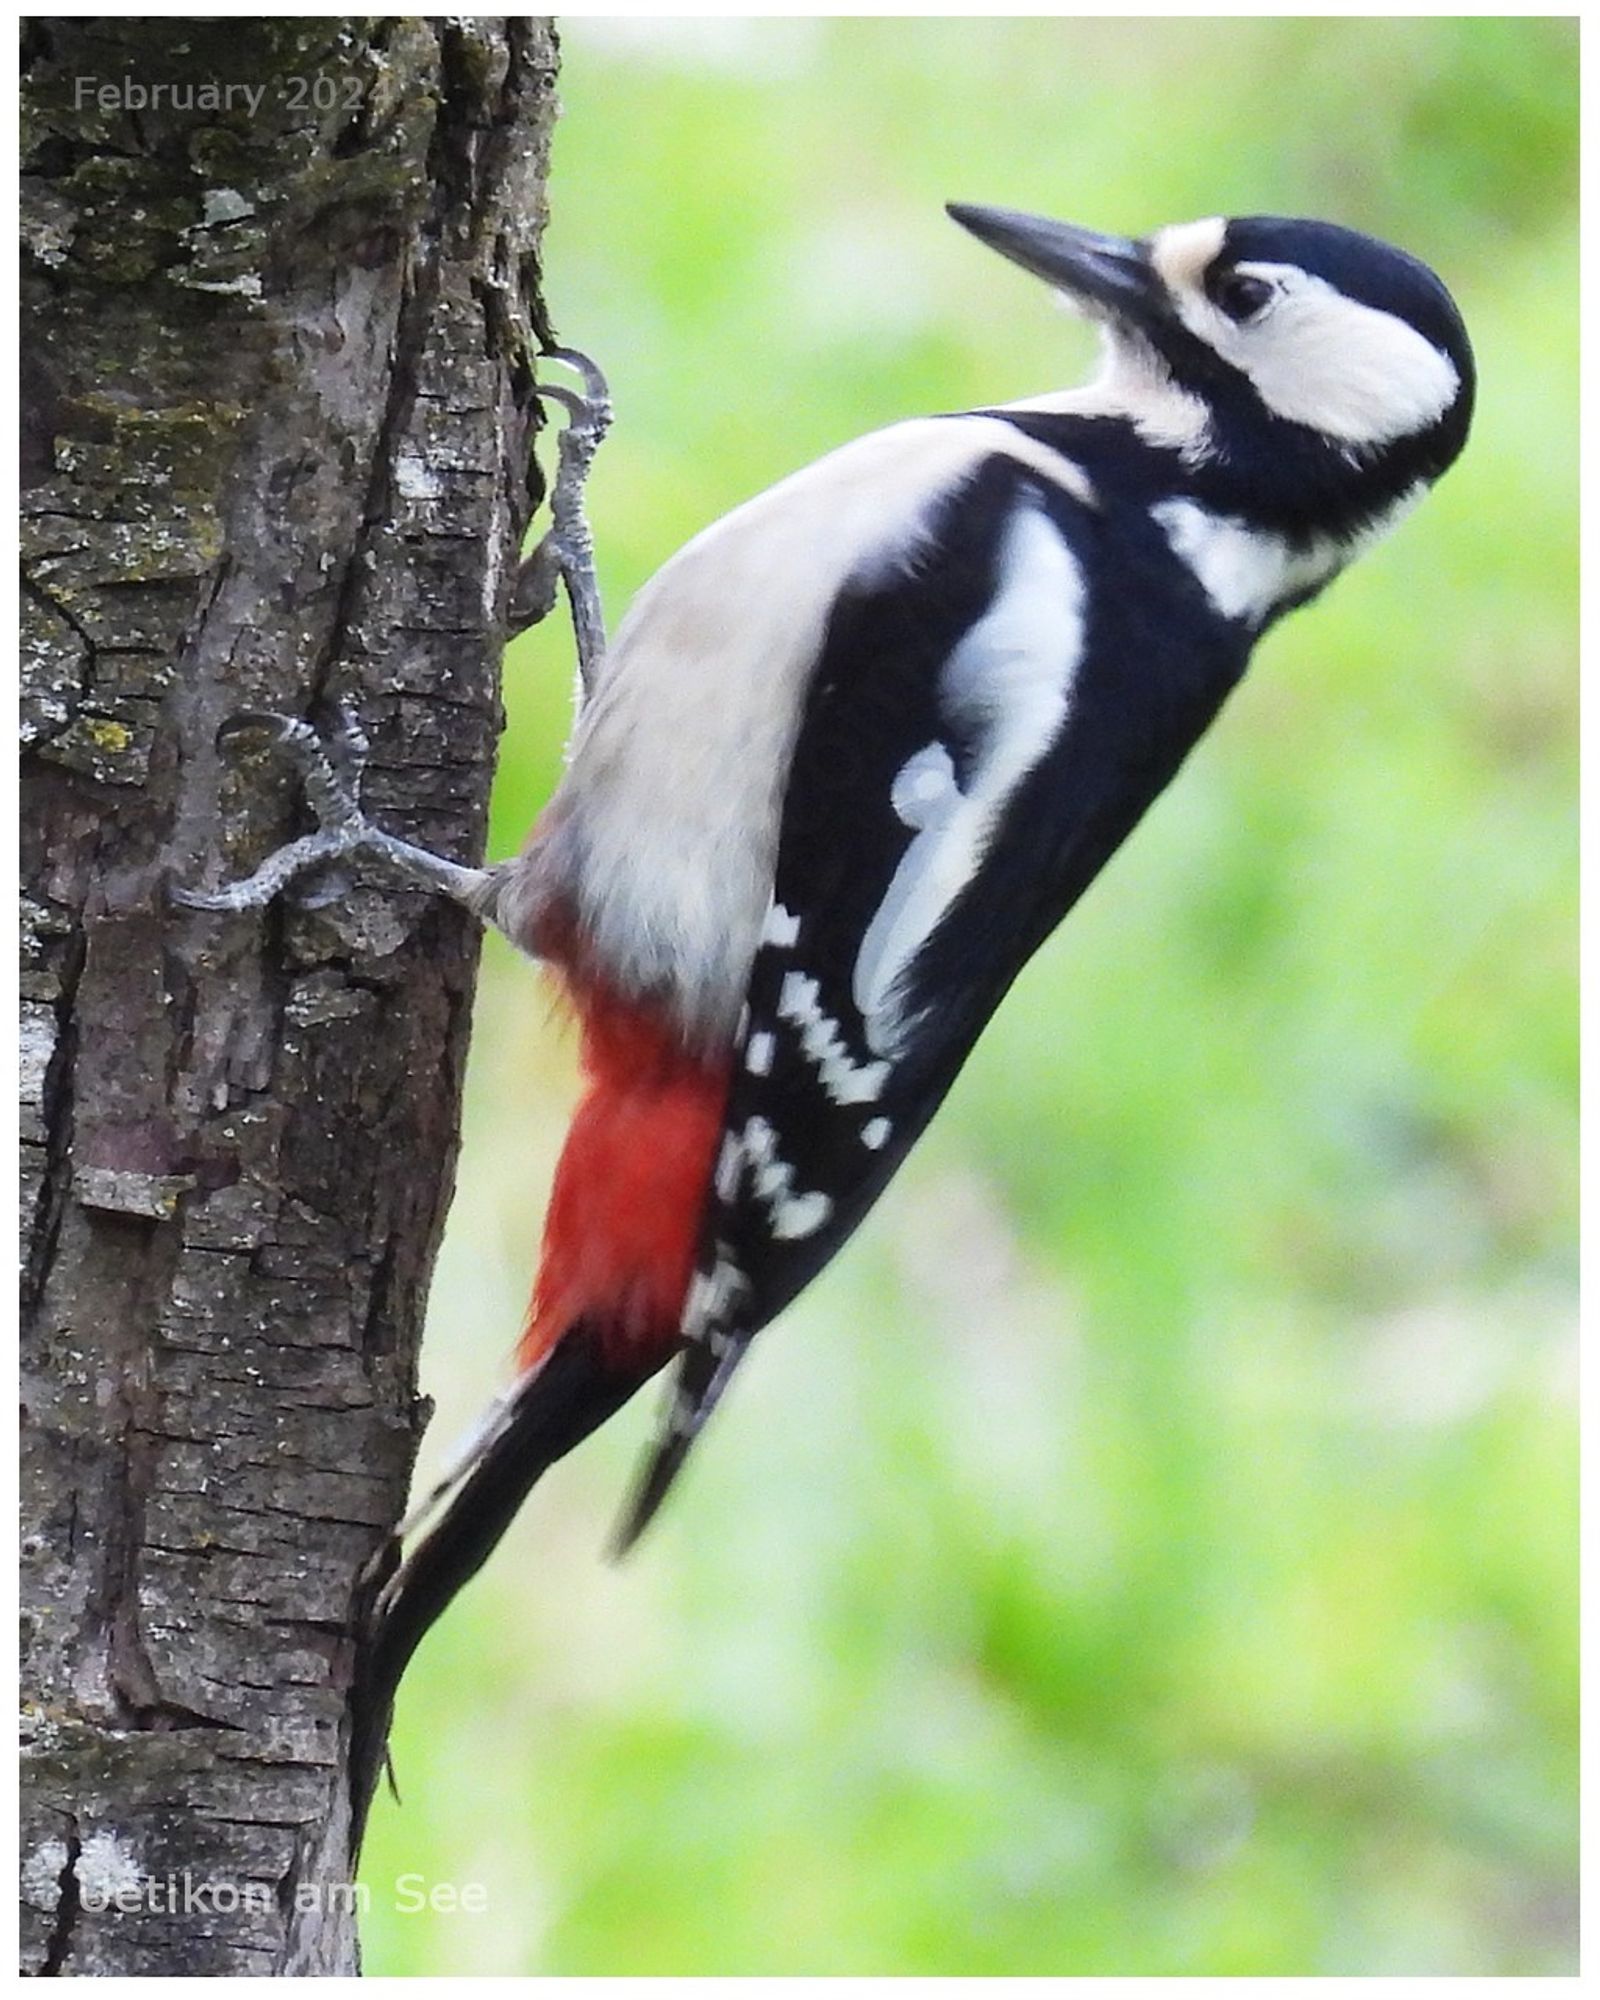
1150	1548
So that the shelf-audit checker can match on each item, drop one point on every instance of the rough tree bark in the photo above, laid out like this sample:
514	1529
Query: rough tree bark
281	284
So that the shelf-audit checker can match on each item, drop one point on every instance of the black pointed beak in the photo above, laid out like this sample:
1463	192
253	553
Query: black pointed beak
1111	276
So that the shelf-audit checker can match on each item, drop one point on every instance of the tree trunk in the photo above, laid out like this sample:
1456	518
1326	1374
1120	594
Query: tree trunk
280	289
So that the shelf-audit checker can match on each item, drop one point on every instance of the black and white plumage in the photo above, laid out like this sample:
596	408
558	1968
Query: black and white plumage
1012	674
855	752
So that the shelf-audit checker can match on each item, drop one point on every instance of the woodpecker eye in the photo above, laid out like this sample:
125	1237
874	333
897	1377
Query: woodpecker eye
1241	296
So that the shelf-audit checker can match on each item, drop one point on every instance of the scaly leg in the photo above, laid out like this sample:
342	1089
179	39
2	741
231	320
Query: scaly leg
331	773
566	554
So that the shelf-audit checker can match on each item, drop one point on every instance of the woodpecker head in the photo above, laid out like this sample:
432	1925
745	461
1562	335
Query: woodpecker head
1327	371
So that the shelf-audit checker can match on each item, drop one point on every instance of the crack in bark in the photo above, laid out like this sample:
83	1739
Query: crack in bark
56	1111
69	1901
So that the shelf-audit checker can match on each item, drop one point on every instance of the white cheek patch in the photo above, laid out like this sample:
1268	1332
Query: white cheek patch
1326	361
1006	686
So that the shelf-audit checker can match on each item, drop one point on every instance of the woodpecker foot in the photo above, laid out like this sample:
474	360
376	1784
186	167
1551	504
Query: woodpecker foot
331	770
566	555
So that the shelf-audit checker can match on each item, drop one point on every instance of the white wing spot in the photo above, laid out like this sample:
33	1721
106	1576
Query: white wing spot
697	1305
781	927
801	1215
758	1055
713	1297
845	1081
793	1215
730	1164
665	829
875	1134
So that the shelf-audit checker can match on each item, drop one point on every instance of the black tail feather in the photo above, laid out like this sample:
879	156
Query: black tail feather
573	1393
702	1377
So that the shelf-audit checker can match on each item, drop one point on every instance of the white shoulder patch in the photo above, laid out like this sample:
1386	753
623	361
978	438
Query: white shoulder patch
1007	685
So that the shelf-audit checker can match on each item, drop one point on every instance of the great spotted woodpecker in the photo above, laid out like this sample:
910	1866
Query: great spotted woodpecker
855	752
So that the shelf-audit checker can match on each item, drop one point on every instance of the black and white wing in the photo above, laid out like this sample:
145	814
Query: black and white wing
969	756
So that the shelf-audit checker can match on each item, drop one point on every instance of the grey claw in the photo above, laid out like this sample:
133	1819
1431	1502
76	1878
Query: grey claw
557	392
533	595
195	899
595	386
248	722
330	774
589	413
